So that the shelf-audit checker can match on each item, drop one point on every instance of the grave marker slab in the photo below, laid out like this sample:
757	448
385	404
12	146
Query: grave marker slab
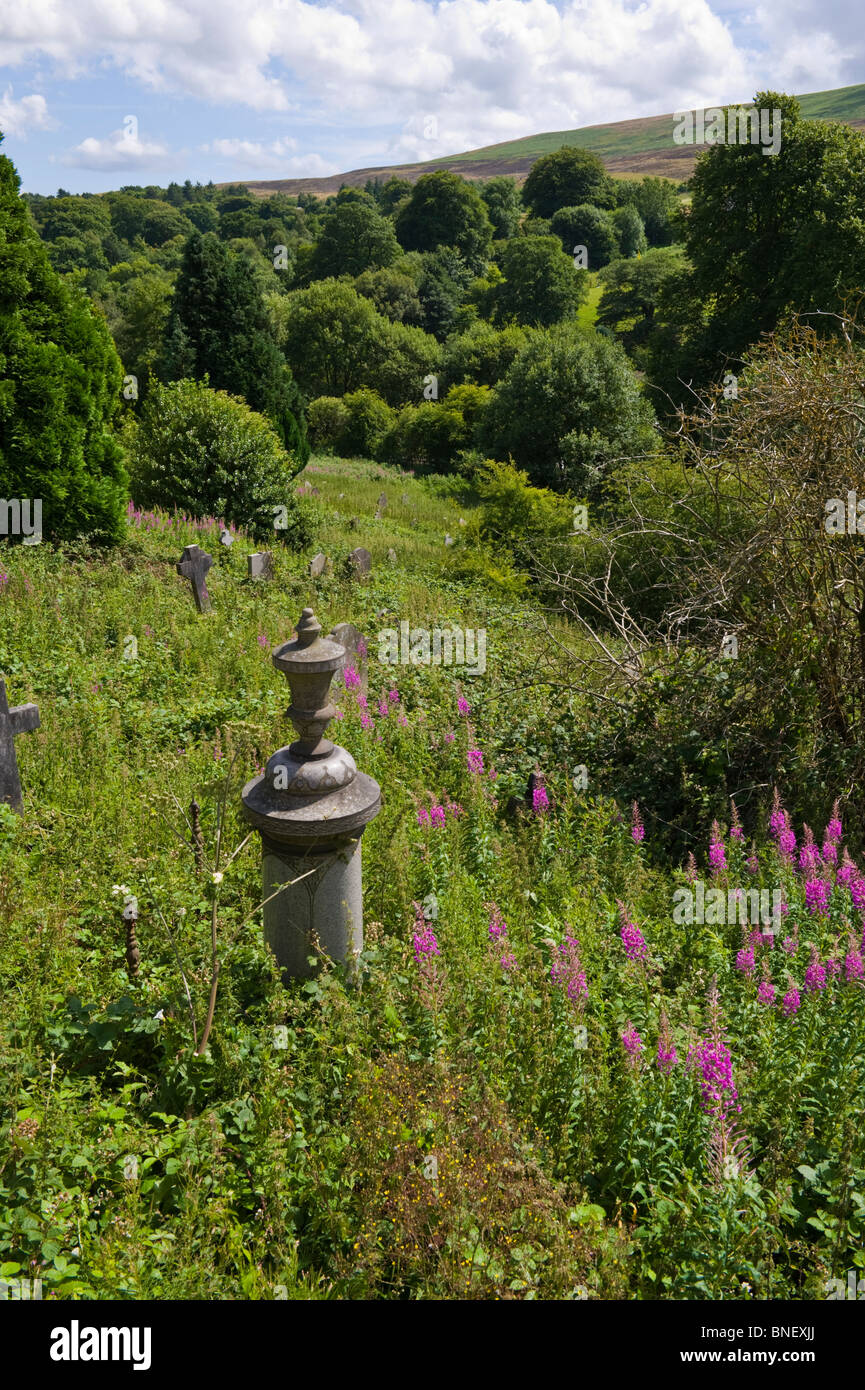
193	565
350	637
317	565
359	563
21	719
260	565
381	505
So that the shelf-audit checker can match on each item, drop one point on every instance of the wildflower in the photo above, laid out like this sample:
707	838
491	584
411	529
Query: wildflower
463	706
497	925
361	648
745	961
350	678
4	580
508	961
437	815
766	992
362	702
540	801
566	970
790	944
817	892
834	829
717	854
455	809
632	937
476	761
383	708
423	816
857	893
424	941
712	1056
778	820
791	1001
787	843
366	722
632	1043
262	640
402	721
854	967
808	857
691	870
450	736
218	877
752	863
393	696
830	852
666	1058
638	830
119	889
815	975
736	831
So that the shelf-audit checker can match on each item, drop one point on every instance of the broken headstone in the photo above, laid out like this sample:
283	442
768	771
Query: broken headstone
359	563
21	719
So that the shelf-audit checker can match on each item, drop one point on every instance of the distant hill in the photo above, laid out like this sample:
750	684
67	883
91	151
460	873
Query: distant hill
636	147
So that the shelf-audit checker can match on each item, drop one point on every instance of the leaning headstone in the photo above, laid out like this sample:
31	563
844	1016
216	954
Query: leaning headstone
381	506
391	556
317	565
350	637
260	565
359	563
21	719
193	565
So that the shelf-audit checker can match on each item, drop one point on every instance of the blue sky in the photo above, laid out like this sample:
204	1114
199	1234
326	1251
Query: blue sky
99	93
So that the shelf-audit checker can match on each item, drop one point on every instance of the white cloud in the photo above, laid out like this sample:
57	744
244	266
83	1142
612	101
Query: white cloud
276	156
488	70
122	149
29	113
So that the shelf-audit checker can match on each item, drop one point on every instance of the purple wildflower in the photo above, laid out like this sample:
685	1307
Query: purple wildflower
632	938
476	761
717	853
566	970
817	892
638	830
791	1001
667	1057
766	992
745	961
540	801
815	975
498	927
834	830
437	815
632	1043
808	856
463	706
351	678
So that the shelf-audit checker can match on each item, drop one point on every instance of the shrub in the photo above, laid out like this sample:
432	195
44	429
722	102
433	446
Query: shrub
60	388
367	420
206	453
587	226
327	417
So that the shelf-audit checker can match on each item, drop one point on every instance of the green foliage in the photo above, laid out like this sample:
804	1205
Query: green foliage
630	231
587	226
368	419
482	353
60	388
655	200
567	410
394	292
219	328
205	453
356	238
326	418
502	198
446	210
568	177
632	291
540	286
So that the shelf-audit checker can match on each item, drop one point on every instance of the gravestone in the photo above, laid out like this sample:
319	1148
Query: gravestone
21	719
359	563
381	506
314	491
193	565
405	499
354	522
260	565
350	637
317	565
226	538
518	806
391	556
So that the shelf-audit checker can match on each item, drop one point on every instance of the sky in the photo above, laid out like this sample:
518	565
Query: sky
95	94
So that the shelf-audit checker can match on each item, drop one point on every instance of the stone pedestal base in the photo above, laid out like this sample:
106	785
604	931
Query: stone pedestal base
330	899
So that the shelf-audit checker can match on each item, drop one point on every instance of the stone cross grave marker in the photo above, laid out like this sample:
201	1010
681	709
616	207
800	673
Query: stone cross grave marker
317	565
350	637
359	563
193	565
260	565
21	719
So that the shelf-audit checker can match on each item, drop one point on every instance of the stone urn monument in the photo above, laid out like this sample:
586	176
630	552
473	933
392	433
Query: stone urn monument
311	805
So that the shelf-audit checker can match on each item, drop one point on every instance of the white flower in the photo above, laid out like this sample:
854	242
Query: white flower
120	888
160	1015
217	878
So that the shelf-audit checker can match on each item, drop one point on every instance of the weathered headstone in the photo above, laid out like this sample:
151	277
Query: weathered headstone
391	556
260	565
314	492
359	563
21	719
354	522
317	565
381	506
193	565
350	637
405	499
